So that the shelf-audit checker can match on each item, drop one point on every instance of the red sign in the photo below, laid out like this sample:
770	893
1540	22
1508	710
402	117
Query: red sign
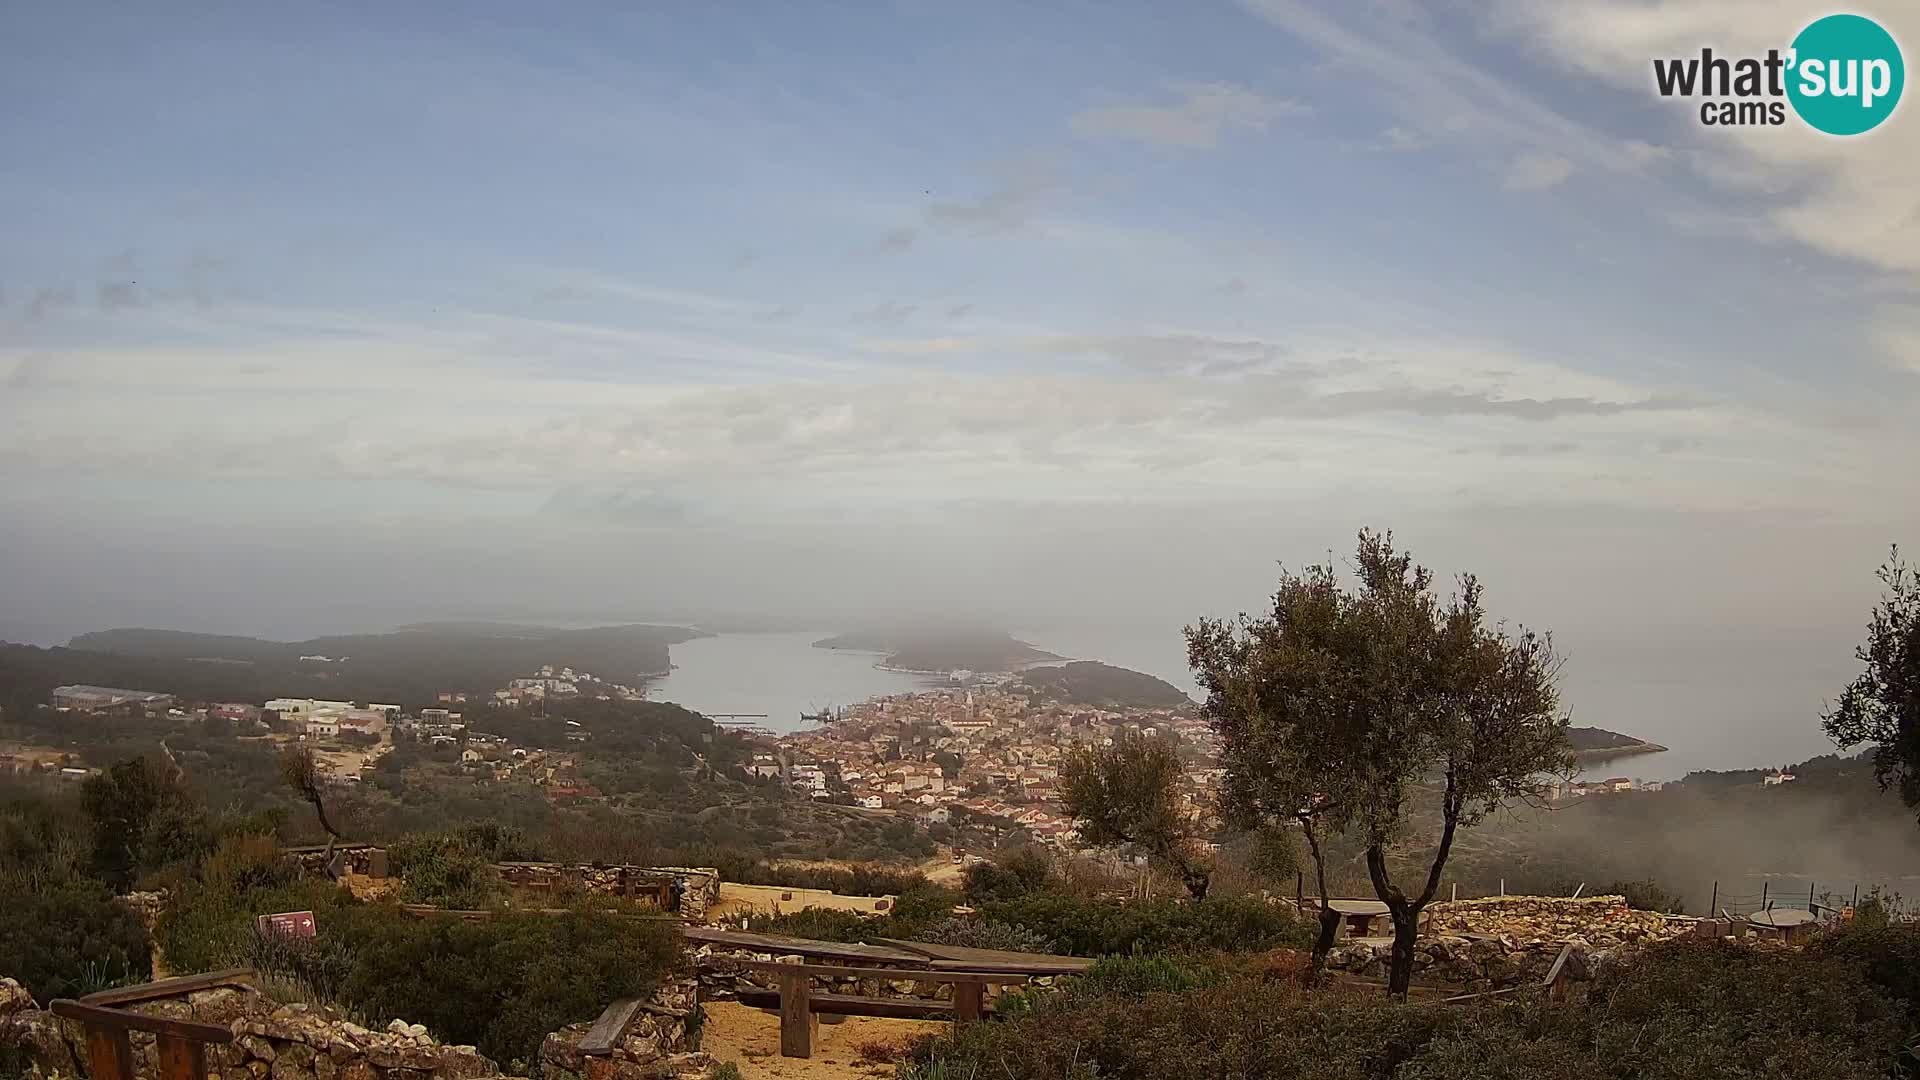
297	924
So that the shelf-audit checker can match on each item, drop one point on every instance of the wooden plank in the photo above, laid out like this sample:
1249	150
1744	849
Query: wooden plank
169	988
968	1001
1559	963
798	1025
896	1008
182	1059
93	1016
610	1028
831	971
109	1053
781	945
961	958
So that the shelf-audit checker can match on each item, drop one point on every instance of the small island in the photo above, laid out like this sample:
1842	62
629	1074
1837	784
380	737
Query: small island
1598	744
941	652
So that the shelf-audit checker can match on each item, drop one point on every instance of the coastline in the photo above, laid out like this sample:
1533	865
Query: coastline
1608	753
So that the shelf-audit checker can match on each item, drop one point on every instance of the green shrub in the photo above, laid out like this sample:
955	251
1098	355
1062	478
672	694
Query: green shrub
1082	927
980	934
452	869
1887	955
69	938
1687	1011
503	983
1017	875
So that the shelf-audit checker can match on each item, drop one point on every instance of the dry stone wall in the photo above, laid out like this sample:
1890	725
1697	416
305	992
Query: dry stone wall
702	884
1496	942
663	1040
305	1042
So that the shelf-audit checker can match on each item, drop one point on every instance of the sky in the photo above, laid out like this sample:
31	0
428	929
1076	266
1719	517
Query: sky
322	316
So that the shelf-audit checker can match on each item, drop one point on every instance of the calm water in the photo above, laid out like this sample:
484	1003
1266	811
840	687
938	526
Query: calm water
1717	704
781	675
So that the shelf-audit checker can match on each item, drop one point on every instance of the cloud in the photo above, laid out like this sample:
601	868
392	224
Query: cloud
1202	113
895	241
1538	172
1005	207
1233	287
959	311
885	313
47	300
114	295
1851	198
1436	95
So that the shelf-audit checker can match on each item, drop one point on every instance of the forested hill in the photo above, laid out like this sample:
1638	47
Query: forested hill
406	667
1600	742
1089	682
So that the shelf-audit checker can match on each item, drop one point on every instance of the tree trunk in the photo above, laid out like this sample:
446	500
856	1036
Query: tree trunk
1197	883
1406	930
1323	944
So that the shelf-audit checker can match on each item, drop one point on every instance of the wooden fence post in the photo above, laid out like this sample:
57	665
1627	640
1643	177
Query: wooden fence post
798	1025
110	1053
969	1000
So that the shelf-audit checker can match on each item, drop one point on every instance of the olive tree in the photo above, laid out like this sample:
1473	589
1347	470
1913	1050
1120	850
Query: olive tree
1882	704
1130	793
1349	708
301	772
1278	705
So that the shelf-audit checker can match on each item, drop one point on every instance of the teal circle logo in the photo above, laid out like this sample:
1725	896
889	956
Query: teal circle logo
1846	76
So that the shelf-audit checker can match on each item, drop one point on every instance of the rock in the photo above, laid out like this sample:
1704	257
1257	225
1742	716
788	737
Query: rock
286	1068
358	1070
255	1044
14	998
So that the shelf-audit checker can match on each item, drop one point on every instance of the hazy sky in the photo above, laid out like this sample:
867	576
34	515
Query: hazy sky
328	316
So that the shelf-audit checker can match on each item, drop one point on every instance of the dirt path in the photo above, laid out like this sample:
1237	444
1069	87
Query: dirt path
750	1039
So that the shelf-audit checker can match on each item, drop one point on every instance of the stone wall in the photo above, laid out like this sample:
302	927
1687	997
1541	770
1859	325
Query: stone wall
306	1042
273	1042
662	1040
365	859
1500	941
722	980
702	892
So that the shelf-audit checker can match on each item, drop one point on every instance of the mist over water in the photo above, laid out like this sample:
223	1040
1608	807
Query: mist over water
780	675
1714	702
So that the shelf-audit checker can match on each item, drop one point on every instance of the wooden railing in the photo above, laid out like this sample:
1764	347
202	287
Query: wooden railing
181	1043
800	1007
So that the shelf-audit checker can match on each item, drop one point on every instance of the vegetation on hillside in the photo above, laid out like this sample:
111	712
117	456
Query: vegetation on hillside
407	667
1682	1011
1089	682
1881	707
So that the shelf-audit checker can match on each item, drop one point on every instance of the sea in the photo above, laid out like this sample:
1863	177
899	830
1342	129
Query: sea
1714	704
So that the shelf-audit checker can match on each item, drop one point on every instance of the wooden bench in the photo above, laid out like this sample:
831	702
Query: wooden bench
181	1043
800	1005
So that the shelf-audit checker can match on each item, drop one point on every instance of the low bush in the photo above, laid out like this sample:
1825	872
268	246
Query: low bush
1697	1011
980	934
1014	876
1084	927
68	938
503	983
1887	955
